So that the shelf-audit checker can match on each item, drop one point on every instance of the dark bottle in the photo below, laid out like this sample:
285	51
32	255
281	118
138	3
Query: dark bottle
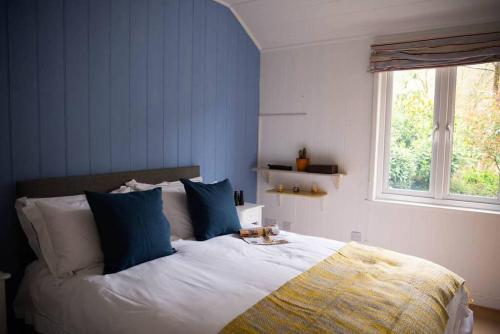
241	199
236	198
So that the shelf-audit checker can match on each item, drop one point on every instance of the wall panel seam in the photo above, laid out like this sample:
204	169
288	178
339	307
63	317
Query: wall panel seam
9	93
110	57
192	82
163	85
178	76
147	83
65	98
37	24
129	82
89	118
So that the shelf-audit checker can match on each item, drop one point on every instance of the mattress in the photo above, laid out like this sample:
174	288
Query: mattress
199	289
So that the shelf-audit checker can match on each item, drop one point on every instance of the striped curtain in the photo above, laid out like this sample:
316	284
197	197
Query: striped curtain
436	52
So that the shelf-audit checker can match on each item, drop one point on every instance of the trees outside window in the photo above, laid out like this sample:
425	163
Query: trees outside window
412	129
475	164
440	135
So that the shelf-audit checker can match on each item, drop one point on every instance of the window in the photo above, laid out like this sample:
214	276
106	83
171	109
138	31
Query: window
437	136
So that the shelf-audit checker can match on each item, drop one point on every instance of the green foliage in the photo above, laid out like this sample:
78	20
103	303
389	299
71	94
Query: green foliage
303	153
402	168
474	182
475	161
411	137
476	143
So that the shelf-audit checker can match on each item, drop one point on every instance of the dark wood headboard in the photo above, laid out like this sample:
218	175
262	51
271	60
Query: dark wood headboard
75	185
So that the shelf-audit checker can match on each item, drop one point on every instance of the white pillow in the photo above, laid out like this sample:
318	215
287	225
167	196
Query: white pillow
176	210
25	208
174	205
69	238
179	183
37	232
147	186
144	186
35	219
122	190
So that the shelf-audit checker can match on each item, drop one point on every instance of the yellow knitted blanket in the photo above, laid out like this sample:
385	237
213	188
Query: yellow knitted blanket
359	289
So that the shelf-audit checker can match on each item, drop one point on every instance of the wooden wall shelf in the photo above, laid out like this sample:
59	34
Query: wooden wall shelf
288	192
266	173
304	193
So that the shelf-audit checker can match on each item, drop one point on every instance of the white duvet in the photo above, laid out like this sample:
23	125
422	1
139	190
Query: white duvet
199	289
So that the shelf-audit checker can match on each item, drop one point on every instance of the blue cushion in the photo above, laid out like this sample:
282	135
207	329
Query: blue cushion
212	209
132	228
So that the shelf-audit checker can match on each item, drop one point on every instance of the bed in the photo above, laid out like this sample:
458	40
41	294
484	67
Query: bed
199	289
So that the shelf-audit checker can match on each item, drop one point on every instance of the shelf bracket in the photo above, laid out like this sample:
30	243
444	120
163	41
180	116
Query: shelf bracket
267	176
337	180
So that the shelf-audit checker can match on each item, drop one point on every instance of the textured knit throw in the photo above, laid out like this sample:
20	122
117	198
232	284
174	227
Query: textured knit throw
359	289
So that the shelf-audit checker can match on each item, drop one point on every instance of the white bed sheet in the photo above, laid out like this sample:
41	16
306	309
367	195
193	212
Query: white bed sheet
199	289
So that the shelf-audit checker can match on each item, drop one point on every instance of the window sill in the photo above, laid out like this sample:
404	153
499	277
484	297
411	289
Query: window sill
494	210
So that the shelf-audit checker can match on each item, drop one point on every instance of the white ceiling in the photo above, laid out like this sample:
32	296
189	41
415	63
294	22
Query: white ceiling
284	23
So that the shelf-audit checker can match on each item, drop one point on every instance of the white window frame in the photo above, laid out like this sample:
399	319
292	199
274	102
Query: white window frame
438	193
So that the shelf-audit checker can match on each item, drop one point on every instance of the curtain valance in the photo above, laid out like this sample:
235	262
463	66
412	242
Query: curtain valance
436	52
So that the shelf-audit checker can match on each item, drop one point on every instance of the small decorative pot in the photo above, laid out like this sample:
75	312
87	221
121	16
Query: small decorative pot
302	164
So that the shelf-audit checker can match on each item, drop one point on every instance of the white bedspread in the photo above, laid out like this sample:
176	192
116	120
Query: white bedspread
197	290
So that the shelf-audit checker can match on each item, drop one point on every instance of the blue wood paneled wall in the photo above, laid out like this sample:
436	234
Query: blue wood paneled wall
95	86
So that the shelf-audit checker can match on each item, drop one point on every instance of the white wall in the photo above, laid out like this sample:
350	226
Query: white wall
331	83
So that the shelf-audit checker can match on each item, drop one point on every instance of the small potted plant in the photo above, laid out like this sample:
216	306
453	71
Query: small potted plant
302	160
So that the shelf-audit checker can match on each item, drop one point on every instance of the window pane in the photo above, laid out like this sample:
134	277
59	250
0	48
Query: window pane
411	129
476	139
